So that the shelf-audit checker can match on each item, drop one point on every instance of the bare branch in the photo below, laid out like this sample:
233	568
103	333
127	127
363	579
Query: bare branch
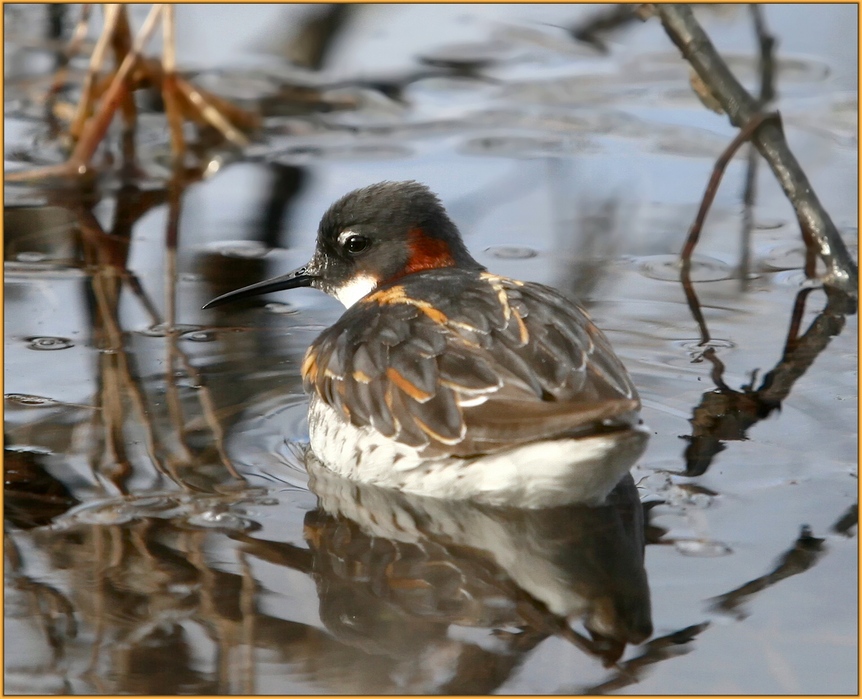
685	31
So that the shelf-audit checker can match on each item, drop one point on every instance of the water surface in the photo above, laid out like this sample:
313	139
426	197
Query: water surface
137	563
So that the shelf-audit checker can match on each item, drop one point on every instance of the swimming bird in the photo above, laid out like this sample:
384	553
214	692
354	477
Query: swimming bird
444	379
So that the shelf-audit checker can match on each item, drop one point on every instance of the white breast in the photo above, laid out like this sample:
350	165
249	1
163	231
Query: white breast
540	474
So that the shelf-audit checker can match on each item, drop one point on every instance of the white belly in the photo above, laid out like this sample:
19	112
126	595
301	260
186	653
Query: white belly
541	474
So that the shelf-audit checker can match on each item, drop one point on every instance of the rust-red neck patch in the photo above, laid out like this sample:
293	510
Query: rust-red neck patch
427	252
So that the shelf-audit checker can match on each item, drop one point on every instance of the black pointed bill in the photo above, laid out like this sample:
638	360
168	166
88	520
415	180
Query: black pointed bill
292	280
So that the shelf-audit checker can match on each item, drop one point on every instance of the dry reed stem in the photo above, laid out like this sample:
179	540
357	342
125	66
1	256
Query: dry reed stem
106	303
210	113
173	108
248	611
85	103
182	99
96	127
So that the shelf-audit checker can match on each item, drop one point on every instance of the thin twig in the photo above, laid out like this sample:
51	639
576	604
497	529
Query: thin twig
749	195
766	43
766	63
696	227
744	134
694	305
182	99
115	465
685	31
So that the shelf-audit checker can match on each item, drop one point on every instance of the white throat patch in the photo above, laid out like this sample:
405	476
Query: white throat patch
355	289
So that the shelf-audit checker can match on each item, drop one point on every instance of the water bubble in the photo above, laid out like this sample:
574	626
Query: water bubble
214	519
280	308
703	548
233	487
45	270
694	346
466	56
787	256
266	502
159	330
99	513
515	146
368	151
688	142
182	381
49	343
769	224
28	400
163	330
246	249
299	154
512	252
199	336
155	503
667	268
685	495
31	257
796	278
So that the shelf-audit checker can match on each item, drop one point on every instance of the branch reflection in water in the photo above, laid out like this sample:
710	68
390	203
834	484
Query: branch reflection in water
725	414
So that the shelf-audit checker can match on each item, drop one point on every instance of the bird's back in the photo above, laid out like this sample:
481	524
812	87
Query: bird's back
456	362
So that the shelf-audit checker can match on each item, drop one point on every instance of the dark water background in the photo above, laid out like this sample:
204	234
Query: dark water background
560	164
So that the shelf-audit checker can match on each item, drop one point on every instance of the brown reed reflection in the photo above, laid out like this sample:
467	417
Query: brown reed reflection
170	598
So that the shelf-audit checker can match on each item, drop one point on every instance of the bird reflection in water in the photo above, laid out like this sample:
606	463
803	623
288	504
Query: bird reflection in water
395	572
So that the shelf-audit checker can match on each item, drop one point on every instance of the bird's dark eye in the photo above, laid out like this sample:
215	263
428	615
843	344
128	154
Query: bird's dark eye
356	244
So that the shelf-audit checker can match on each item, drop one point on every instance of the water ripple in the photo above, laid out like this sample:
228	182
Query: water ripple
667	268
